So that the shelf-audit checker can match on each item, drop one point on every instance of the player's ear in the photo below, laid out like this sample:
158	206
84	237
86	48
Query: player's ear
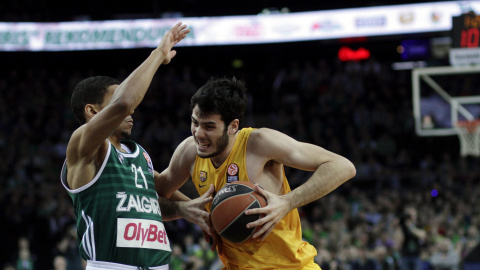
90	111
233	127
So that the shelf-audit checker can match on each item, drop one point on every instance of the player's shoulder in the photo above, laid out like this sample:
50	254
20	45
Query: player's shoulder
188	143
261	134
76	149
187	148
259	137
264	140
78	132
75	139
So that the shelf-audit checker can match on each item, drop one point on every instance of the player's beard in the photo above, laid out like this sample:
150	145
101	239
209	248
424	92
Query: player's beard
221	143
126	135
125	131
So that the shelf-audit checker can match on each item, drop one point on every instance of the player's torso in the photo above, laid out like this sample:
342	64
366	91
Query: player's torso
118	216
269	176
285	241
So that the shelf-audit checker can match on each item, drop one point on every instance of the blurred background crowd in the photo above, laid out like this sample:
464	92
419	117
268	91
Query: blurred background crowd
414	200
361	110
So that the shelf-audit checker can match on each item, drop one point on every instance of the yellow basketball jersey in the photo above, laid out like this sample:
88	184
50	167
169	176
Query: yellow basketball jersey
284	247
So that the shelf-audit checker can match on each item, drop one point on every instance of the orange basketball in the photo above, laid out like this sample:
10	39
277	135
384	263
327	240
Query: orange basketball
228	211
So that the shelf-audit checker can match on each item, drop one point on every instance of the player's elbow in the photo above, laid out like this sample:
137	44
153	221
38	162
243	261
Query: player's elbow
124	106
162	185
349	169
161	190
164	194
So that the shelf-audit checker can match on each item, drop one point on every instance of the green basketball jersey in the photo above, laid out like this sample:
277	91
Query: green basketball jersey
118	215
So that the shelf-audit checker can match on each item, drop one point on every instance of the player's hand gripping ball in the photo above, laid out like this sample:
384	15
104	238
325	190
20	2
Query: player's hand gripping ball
228	211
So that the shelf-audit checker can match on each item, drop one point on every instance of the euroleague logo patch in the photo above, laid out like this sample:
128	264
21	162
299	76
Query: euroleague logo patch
120	158
149	162
232	173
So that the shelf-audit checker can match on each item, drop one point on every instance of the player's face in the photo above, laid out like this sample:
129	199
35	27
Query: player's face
210	134
124	130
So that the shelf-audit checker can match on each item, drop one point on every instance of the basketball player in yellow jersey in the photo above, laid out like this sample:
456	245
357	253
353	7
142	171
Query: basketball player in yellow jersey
219	153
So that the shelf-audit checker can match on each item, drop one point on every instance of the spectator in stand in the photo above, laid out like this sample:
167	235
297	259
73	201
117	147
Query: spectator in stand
413	240
60	263
445	256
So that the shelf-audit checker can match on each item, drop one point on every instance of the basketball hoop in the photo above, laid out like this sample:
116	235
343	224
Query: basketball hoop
469	135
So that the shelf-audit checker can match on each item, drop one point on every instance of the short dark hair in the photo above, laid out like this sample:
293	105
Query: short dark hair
223	96
89	91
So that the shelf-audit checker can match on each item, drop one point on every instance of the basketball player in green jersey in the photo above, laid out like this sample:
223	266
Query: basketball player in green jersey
111	180
219	152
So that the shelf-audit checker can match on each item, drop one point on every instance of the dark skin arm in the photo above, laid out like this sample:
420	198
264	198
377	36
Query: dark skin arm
88	146
172	178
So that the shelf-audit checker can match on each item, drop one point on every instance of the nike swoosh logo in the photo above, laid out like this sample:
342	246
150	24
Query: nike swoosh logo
200	186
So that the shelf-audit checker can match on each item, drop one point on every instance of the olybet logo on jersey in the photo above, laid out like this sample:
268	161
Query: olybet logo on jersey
141	233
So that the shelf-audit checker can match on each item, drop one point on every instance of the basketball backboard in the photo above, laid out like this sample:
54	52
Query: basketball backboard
442	96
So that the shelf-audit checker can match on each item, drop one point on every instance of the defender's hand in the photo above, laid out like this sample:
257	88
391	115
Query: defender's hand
172	37
215	240
194	211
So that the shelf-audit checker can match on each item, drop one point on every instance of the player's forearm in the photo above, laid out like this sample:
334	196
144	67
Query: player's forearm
171	208
179	196
132	90
324	180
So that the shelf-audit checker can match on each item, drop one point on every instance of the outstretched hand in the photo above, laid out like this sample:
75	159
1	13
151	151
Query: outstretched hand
216	240
278	207
172	37
194	211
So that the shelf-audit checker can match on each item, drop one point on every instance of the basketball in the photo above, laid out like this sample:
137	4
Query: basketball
228	211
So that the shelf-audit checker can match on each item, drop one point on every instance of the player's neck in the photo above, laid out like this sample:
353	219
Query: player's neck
218	160
116	143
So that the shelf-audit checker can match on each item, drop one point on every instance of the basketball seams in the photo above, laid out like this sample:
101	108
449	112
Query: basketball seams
228	210
259	197
252	230
239	215
232	207
227	198
214	205
238	188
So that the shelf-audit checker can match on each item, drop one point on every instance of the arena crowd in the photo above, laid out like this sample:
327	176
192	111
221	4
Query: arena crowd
361	110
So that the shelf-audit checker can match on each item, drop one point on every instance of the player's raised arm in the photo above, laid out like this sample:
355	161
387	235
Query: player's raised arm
101	118
129	93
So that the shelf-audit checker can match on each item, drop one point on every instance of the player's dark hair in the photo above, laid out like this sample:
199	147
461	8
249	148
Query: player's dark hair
89	91
224	96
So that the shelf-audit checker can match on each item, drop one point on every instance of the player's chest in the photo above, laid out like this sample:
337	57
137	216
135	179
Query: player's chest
268	177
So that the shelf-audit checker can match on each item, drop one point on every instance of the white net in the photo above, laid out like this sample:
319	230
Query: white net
469	135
